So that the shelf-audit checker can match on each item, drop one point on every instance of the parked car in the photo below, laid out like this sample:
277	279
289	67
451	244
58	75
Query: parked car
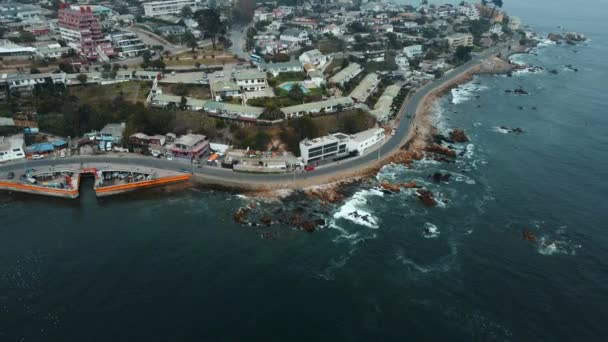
37	156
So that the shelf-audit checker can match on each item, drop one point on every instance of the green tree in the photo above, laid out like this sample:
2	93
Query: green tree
463	53
186	12
210	22
82	78
296	93
272	113
190	40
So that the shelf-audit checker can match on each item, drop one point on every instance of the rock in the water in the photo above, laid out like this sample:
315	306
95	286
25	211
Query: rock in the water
440	177
517	91
267	220
240	216
553	71
459	136
441	150
426	197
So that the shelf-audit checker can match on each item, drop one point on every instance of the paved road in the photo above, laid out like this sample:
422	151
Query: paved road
406	114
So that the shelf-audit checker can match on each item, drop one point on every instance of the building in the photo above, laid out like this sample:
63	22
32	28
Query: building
314	57
223	89
471	12
128	44
166	100
361	142
343	76
461	39
330	147
232	111
365	88
82	30
383	107
326	106
113	131
277	68
514	23
21	83
339	145
54	50
496	29
15	10
169	7
144	140
251	80
189	146
293	36
11	148
413	51
9	49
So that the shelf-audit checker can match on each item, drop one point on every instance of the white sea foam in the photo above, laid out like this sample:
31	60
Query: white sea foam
500	130
430	231
466	91
547	246
355	209
470	151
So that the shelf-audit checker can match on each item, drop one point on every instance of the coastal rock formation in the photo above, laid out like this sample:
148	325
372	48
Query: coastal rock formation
266	220
528	235
426	197
327	194
571	38
395	188
241	215
440	150
440	177
516	130
458	136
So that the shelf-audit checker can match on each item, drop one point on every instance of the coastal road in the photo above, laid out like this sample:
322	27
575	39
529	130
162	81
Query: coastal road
406	115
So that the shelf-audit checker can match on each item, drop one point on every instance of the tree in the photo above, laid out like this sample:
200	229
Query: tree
497	3
190	40
186	12
183	103
272	113
463	53
296	93
82	78
210	22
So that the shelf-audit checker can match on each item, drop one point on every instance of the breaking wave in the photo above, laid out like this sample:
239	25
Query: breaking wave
355	209
466	91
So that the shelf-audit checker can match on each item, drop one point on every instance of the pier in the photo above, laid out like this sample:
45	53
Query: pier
64	181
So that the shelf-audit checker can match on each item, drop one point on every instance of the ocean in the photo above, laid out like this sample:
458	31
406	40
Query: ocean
174	266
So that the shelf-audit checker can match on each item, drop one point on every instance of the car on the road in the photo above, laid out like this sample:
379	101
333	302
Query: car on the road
184	170
309	168
11	175
37	156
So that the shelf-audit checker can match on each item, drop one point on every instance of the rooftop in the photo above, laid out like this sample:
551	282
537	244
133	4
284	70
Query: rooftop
250	74
351	70
317	106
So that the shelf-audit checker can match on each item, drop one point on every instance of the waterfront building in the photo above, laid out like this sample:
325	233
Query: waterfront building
324	148
189	146
82	30
361	142
460	39
169	7
365	88
343	76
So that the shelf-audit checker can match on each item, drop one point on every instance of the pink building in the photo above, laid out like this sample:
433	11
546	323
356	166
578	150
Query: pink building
81	29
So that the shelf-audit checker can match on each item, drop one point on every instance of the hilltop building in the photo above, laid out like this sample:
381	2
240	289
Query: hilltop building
81	29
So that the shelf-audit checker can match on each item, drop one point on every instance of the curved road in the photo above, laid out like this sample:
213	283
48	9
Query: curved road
246	179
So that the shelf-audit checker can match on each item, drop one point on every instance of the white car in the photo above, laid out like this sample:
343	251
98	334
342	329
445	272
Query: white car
37	156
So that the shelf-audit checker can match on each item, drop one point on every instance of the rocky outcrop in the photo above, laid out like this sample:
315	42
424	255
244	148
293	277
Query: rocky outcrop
327	194
528	235
439	177
241	215
516	130
397	187
426	197
440	150
458	136
571	38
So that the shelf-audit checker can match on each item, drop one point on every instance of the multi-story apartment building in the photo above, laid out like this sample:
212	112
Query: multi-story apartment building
251	80
81	29
461	39
169	7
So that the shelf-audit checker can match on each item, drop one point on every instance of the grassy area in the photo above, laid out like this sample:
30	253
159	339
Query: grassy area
287	77
96	94
191	90
330	45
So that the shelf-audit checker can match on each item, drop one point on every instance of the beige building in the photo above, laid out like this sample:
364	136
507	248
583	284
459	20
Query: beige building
461	39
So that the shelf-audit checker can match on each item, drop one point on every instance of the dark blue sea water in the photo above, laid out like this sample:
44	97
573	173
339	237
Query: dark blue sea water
176	267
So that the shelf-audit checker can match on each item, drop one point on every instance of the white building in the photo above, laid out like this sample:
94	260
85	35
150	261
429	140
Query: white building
471	12
343	76
128	44
365	88
496	29
361	142
251	80
339	145
402	62
326	106
413	51
277	68
514	23
169	7
324	148
11	148
293	36
314	57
